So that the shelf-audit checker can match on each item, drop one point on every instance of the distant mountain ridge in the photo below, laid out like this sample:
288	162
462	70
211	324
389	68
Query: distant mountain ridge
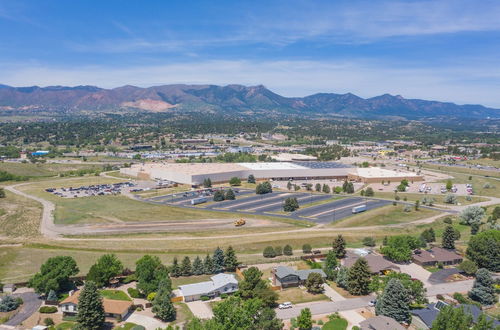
227	99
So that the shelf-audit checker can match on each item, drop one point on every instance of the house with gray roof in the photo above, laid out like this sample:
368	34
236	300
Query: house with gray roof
380	322
218	284
423	318
288	277
377	263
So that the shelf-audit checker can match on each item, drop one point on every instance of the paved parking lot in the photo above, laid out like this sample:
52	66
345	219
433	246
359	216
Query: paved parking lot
271	204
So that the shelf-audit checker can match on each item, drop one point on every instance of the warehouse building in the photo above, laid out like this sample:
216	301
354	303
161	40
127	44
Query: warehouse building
196	173
377	174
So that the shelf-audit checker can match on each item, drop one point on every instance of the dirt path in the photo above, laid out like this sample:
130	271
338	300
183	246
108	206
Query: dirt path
53	231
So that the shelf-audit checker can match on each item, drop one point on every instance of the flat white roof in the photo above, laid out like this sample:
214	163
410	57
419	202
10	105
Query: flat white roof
377	172
272	166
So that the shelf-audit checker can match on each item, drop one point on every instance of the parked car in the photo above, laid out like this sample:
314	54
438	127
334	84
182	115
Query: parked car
372	303
285	305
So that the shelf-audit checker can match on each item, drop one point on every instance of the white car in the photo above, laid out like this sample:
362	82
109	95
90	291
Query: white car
285	305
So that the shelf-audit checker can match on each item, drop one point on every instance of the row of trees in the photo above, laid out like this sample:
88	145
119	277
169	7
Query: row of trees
220	195
271	252
220	261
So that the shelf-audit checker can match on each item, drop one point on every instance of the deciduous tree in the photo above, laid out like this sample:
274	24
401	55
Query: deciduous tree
54	275
484	250
304	320
314	283
106	267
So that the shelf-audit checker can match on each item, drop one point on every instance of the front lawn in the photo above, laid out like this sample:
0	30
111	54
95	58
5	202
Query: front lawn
126	326
335	324
115	295
65	326
298	295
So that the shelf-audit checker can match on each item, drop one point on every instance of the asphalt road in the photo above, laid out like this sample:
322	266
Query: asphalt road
31	304
327	307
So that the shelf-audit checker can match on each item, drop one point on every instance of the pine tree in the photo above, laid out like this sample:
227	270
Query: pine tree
251	178
394	302
163	308
287	250
230	260
338	246
198	266
330	265
318	187
218	260
186	269
175	271
358	278
449	238
207	183
230	195
326	189
208	265
90	309
218	196
342	277
482	290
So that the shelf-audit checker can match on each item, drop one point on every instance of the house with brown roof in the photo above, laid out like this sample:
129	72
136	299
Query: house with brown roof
434	255
377	263
117	309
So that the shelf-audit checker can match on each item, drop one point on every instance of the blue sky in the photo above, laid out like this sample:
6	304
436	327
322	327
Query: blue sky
442	50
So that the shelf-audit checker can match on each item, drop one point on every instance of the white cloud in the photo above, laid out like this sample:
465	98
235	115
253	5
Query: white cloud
460	84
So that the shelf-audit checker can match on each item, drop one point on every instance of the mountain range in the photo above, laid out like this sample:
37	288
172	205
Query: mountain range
249	100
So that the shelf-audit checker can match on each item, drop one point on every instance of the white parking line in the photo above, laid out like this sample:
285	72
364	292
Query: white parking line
339	208
277	203
254	200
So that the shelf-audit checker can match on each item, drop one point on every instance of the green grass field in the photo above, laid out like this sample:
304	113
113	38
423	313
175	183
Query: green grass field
385	215
115	295
461	170
43	170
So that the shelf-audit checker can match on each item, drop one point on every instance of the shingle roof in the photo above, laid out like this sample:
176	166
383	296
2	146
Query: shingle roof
375	262
283	271
111	306
201	288
429	314
380	322
436	254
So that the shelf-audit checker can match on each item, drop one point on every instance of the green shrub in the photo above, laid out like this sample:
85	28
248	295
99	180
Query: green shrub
130	278
224	296
204	298
48	309
48	321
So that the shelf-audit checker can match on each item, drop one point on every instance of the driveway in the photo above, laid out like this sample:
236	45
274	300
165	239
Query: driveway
416	271
146	321
449	288
31	304
200	309
441	275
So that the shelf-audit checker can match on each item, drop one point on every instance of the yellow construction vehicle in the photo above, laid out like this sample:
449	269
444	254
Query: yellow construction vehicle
239	223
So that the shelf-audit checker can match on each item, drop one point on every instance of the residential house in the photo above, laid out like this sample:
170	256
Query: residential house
288	277
423	318
380	322
117	309
377	263
434	255
218	284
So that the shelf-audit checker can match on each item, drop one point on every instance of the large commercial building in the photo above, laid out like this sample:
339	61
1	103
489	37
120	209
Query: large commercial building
377	174
196	173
